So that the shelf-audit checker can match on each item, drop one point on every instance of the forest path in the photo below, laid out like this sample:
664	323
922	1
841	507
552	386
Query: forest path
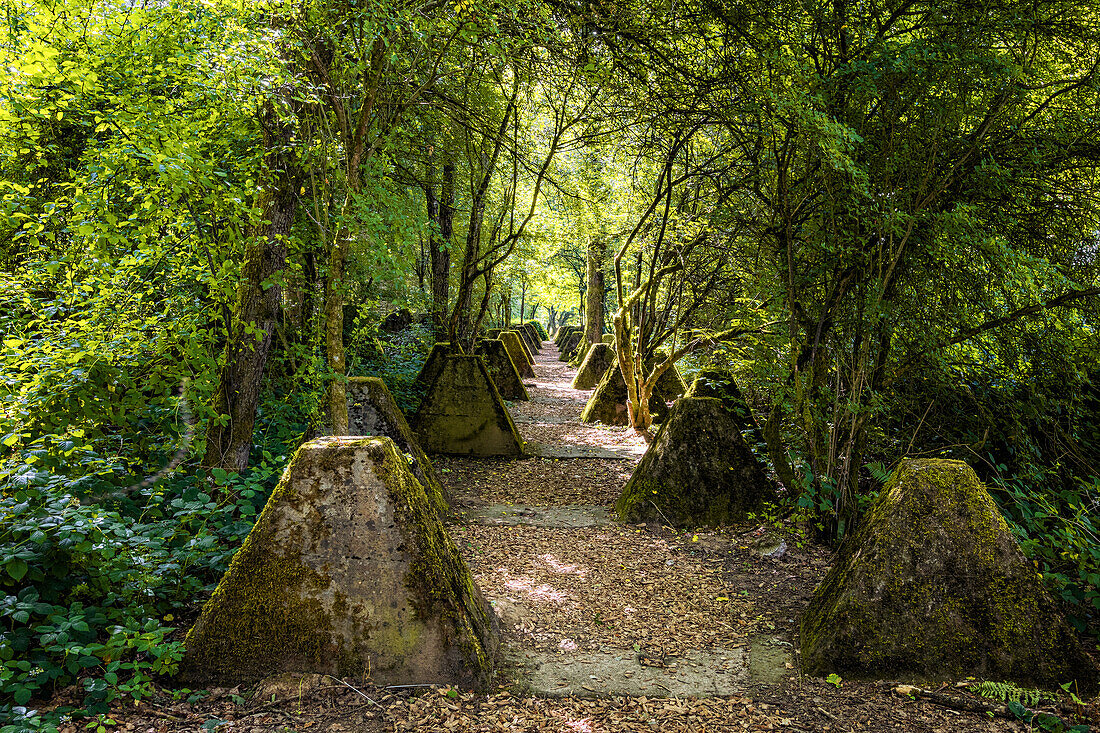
607	627
589	606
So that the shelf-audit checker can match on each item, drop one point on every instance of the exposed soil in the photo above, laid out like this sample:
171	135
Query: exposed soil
677	631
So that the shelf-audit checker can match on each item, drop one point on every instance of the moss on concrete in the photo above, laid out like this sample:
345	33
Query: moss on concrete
543	336
463	413
607	404
433	364
502	369
595	364
348	571
570	346
563	333
372	410
519	356
671	383
533	338
527	353
697	472
934	585
719	383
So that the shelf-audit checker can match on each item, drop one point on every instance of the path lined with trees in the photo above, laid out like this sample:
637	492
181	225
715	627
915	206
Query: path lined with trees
881	220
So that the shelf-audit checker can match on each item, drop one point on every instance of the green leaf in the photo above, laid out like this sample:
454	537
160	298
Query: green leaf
16	568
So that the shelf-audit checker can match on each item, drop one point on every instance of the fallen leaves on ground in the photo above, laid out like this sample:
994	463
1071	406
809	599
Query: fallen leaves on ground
613	586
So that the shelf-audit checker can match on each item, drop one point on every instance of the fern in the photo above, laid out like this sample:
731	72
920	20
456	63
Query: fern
1007	692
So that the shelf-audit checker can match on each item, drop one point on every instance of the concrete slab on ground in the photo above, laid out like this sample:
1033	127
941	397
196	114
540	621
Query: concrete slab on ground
716	672
547	450
559	517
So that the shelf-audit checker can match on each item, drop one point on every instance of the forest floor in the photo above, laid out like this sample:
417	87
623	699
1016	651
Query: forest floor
606	626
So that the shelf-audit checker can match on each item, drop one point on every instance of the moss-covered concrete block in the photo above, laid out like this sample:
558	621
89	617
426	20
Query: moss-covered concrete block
563	333
539	329
515	350
527	353
607	404
671	383
933	584
463	413
433	364
372	410
719	383
502	369
348	572
570	346
533	339
596	361
697	472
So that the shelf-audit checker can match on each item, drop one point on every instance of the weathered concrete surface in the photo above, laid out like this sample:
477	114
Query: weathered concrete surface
513	515
710	673
519	356
562	333
698	470
570	345
464	414
718	382
348	570
523	341
599	357
607	404
501	368
525	335
534	340
373	411
433	364
934	585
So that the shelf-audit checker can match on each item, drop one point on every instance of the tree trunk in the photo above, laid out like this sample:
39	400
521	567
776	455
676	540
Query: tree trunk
593	312
229	435
444	217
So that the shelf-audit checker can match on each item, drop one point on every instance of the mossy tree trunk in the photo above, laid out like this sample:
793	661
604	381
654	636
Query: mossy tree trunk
593	312
229	435
359	145
441	210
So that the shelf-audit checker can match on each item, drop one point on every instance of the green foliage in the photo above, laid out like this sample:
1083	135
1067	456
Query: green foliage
1008	692
88	592
399	363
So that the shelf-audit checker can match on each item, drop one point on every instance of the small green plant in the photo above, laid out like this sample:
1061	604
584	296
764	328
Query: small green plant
834	679
1007	692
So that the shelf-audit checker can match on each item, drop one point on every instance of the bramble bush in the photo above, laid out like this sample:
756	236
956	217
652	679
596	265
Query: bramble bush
89	591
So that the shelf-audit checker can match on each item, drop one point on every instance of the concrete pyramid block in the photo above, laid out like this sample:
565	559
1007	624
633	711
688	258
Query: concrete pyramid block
533	339
523	343
463	413
562	333
571	345
697	472
348	571
433	364
607	404
719	383
933	584
515	350
595	364
502	369
543	336
373	411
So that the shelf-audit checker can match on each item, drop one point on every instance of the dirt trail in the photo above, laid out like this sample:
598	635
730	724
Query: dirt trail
607	627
